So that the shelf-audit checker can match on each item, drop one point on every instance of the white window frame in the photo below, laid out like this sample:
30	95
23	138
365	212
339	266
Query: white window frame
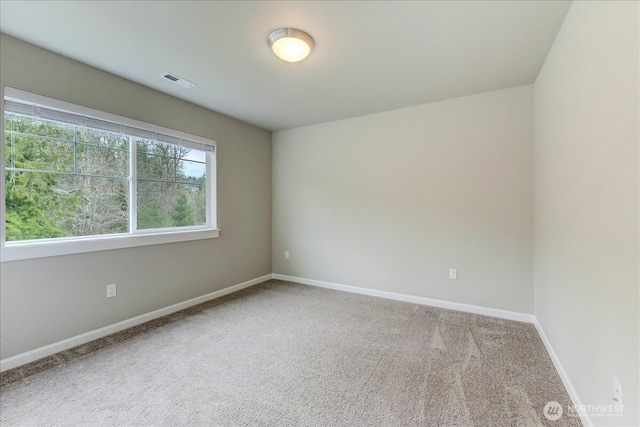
29	249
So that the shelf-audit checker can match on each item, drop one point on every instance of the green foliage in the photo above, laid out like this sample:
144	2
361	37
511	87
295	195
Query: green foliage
25	218
182	214
32	204
153	216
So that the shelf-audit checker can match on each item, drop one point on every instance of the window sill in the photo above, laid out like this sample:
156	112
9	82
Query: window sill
50	248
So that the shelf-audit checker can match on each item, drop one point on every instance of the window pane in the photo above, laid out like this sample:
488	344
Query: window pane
157	168
102	161
162	205
103	138
196	156
35	153
155	161
191	172
34	209
46	205
35	126
101	205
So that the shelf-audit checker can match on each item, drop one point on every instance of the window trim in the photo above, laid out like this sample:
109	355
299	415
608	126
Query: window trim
29	249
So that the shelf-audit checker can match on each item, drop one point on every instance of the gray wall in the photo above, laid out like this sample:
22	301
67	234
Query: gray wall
47	300
391	201
587	171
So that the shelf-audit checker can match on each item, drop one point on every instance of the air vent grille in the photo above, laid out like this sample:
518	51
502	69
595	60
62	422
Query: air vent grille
178	80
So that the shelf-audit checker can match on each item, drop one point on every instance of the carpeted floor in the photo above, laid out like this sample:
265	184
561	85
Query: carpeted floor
283	354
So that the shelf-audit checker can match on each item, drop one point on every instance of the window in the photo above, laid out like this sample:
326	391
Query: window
77	180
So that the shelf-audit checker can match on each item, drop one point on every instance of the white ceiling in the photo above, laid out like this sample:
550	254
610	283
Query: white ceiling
369	56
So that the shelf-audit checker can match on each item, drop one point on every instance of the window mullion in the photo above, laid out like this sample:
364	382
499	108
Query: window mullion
133	187
75	149
211	182
3	183
207	183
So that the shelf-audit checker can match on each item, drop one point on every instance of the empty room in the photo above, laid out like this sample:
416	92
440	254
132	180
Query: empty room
323	213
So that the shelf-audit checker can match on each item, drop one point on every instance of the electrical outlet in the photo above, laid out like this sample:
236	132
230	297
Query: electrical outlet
111	290
617	392
286	254
453	274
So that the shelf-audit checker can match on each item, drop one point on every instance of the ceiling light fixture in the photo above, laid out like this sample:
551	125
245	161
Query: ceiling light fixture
290	44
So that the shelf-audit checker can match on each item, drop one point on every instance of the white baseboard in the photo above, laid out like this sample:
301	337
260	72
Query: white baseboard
493	312
573	394
48	350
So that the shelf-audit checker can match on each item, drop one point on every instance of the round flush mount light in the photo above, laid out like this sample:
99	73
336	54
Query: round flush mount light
290	44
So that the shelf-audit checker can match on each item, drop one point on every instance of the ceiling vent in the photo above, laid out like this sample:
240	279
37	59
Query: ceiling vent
178	80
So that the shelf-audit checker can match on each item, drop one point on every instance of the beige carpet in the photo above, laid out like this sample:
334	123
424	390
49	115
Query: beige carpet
282	354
